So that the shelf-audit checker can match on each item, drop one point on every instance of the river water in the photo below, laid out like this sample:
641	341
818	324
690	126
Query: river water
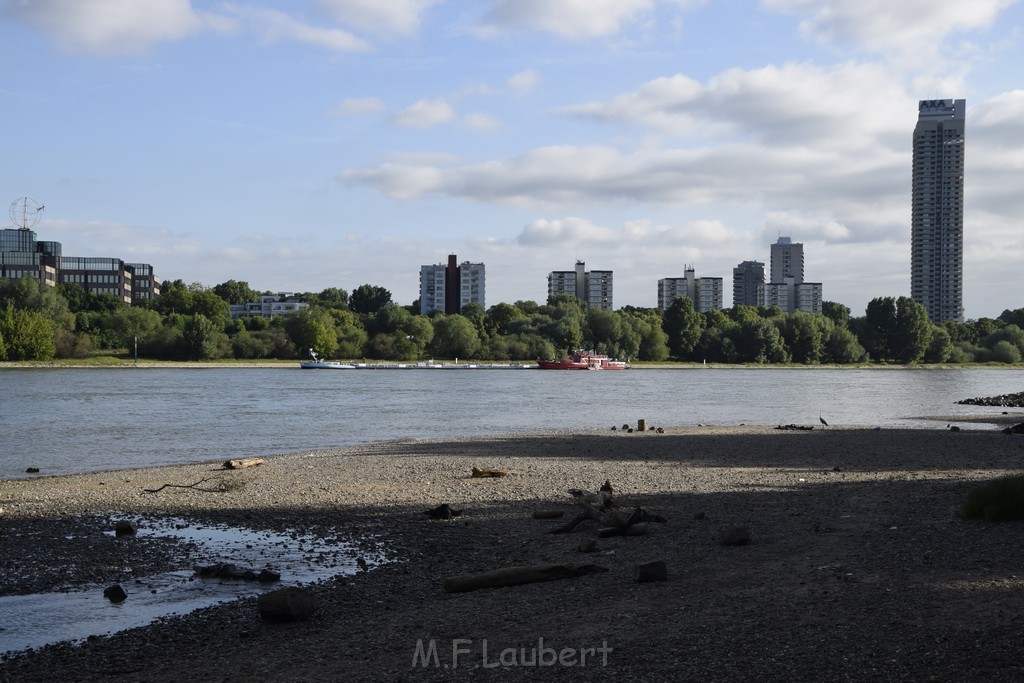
93	419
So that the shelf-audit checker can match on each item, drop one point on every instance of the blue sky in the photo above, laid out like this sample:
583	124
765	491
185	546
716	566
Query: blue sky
316	143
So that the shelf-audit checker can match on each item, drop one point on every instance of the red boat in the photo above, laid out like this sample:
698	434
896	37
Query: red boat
583	360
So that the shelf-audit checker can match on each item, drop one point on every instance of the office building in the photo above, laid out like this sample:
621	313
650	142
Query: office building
790	296
269	306
748	284
22	255
447	288
705	292
594	287
937	209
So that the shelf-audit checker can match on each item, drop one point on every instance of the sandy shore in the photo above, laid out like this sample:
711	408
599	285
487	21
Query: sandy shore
858	569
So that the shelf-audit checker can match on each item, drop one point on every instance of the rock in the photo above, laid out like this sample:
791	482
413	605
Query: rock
125	528
737	535
32	470
547	514
660	430
1015	429
115	594
222	570
443	511
587	546
641	425
286	604
651	571
267	576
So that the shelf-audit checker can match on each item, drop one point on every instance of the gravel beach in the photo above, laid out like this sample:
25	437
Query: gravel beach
858	567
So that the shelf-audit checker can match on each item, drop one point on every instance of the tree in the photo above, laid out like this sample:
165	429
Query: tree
29	294
1014	317
351	333
836	312
236	292
940	348
759	341
313	328
805	336
912	331
26	335
333	297
682	324
199	338
499	316
842	347
368	299
454	337
603	329
127	324
878	327
1005	352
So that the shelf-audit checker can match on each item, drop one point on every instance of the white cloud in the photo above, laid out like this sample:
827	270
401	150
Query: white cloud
400	17
906	27
113	26
274	26
792	104
523	81
425	114
576	19
563	231
481	122
355	106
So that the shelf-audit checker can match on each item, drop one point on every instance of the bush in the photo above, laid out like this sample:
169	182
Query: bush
997	501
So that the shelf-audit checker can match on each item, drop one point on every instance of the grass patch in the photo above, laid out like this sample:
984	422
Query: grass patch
1000	500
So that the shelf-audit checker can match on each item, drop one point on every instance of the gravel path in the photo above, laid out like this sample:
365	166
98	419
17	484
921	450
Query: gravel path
859	568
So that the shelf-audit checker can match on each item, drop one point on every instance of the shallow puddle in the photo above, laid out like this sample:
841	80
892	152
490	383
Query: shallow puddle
43	618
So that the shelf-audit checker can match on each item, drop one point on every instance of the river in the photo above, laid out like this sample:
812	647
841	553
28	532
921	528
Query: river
65	420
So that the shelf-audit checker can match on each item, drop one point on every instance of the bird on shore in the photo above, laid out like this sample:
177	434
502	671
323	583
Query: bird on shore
822	420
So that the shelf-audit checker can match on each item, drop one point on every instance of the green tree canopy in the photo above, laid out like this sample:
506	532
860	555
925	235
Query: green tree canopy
312	328
682	323
368	299
236	292
454	337
26	334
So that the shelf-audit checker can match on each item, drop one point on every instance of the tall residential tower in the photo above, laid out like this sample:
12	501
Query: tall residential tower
937	214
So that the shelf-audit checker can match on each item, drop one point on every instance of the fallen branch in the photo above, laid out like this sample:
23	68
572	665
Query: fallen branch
195	486
242	463
515	576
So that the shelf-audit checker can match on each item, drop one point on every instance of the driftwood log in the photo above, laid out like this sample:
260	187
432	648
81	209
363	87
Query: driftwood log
486	473
515	576
242	463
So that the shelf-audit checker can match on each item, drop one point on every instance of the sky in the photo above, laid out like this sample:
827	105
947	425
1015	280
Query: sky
305	144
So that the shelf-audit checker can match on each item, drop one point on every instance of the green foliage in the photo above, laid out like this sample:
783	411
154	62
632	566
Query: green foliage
1014	317
312	328
912	331
682	325
499	316
842	347
836	312
805	336
71	345
393	346
28	294
351	334
247	345
200	339
27	335
896	329
455	337
236	292
1005	352
940	348
368	299
122	327
759	341
999	500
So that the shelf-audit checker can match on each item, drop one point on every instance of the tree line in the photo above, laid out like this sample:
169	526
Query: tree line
193	322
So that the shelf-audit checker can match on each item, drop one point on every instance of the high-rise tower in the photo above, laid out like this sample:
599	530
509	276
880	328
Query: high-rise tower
787	260
937	214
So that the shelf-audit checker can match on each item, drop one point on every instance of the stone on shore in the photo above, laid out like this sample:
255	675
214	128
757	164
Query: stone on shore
286	604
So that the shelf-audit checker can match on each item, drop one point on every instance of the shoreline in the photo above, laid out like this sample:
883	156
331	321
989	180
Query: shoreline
858	568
